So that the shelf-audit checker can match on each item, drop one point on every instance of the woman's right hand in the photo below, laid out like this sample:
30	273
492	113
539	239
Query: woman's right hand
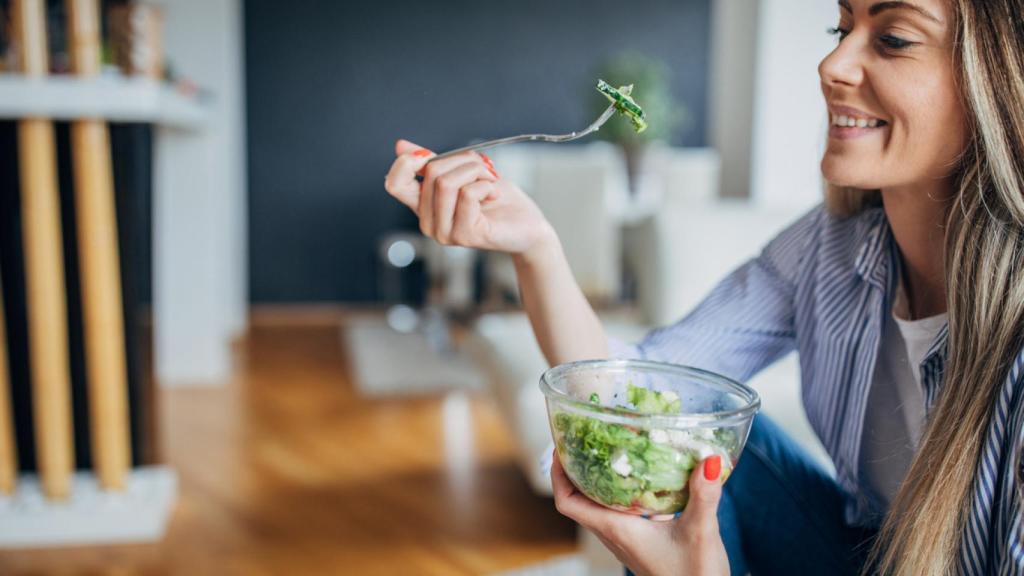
462	201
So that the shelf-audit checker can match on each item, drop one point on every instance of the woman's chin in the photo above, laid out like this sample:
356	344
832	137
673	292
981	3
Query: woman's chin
844	176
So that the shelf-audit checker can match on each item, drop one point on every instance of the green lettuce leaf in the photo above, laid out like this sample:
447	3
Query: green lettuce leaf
652	401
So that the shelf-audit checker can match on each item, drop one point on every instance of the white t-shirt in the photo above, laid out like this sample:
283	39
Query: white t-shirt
895	412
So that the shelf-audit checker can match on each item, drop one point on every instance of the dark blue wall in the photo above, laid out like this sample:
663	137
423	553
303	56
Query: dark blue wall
332	84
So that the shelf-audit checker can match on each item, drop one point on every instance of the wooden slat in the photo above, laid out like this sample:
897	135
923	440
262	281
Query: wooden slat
28	18
8	456
99	265
84	36
44	269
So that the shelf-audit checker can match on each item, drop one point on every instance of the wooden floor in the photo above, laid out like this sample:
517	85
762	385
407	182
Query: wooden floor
290	471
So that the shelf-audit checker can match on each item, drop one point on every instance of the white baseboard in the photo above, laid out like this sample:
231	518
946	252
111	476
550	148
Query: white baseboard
90	516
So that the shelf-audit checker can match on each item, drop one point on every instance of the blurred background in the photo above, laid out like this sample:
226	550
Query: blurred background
225	349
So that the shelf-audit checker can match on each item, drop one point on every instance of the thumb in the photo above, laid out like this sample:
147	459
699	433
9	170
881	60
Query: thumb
701	513
403	146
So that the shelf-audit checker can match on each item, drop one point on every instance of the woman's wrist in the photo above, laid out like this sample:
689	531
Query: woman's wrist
544	250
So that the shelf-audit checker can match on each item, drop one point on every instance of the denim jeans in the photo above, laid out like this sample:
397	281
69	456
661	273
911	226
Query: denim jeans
781	513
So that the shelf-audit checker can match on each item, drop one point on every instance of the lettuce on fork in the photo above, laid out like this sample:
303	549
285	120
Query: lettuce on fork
624	103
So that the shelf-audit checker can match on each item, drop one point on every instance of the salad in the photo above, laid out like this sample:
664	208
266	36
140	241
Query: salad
636	470
624	103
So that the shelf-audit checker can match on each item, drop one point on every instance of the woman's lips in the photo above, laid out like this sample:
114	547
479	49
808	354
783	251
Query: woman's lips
851	132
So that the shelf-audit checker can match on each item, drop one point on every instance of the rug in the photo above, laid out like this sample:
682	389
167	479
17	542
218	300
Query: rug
388	362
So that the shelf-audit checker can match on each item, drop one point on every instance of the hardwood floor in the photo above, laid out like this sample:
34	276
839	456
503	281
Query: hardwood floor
290	471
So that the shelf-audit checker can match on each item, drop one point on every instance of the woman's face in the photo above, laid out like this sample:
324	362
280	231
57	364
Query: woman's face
895	112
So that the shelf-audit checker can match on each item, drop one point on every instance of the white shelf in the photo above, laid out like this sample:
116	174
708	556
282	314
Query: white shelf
116	99
139	513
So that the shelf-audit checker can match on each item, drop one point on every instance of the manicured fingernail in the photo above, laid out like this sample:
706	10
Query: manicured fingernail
487	159
712	467
493	172
421	152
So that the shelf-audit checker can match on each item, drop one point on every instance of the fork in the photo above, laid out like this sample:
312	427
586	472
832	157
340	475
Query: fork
594	127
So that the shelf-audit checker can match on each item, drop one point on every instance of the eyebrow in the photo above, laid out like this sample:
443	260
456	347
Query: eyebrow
897	5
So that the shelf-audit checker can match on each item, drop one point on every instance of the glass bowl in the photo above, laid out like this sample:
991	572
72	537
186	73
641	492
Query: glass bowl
629	432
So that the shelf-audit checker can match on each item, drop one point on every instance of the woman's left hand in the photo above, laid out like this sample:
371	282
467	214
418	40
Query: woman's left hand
690	544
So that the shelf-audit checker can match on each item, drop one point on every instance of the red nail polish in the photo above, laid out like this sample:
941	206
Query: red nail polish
421	153
712	467
493	171
487	159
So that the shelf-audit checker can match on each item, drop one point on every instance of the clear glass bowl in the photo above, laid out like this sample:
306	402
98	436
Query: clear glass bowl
634	458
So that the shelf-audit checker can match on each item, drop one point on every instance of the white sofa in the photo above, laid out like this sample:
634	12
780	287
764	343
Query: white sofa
583	192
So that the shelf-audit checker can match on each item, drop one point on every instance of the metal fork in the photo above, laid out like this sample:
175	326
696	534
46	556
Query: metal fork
594	127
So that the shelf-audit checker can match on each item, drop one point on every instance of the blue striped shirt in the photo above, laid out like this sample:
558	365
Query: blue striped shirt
822	287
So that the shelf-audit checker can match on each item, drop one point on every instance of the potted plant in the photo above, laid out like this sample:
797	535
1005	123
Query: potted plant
651	89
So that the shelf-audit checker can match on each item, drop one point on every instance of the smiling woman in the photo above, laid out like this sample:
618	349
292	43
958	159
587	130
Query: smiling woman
948	77
903	294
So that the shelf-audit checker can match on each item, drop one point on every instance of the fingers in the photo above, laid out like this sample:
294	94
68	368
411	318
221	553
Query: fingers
490	164
401	181
441	182
447	194
467	211
403	146
450	192
700	518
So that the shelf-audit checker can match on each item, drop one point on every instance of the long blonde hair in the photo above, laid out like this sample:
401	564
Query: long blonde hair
984	269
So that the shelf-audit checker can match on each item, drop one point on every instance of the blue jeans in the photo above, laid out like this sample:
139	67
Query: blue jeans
781	513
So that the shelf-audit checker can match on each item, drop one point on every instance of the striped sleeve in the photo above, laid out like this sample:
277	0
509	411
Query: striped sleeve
1013	505
747	321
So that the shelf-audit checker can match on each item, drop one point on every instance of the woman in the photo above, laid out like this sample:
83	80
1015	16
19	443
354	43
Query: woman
904	296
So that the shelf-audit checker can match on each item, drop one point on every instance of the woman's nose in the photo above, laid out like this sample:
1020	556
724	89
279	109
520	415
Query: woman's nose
844	65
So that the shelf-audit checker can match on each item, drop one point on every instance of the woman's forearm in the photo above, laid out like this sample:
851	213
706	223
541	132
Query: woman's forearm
563	321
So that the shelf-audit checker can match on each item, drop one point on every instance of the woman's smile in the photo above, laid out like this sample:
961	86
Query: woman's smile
847	123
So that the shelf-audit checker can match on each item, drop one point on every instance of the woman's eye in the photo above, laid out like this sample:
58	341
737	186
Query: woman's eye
893	42
840	32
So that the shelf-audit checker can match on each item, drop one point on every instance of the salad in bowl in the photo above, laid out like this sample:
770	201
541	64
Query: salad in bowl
629	432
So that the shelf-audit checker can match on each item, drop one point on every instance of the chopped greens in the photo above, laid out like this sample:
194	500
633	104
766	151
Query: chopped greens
624	103
629	468
652	402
